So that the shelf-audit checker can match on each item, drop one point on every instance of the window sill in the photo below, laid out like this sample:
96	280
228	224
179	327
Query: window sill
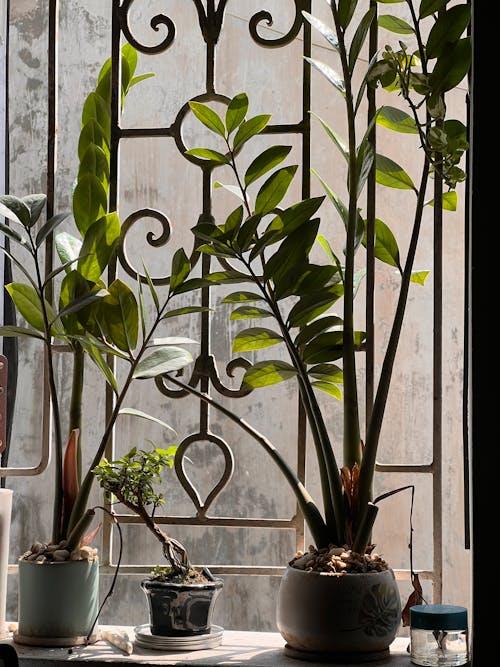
252	649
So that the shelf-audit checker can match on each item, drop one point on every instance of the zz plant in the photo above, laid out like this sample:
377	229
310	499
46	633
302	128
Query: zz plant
267	248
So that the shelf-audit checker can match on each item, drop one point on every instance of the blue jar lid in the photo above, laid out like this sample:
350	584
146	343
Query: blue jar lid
438	617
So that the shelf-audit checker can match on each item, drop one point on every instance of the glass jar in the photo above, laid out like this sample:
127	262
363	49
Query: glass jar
438	635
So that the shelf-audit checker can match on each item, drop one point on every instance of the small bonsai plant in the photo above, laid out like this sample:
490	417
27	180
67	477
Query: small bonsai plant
270	249
131	481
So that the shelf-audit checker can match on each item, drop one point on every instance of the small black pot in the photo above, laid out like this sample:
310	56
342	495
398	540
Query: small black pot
181	609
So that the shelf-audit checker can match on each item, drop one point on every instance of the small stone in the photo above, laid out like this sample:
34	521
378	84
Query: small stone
61	554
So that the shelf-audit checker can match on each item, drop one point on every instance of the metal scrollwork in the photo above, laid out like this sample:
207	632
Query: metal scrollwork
202	506
205	367
264	15
155	23
154	240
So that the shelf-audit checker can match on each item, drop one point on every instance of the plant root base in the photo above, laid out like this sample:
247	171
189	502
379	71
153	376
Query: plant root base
334	657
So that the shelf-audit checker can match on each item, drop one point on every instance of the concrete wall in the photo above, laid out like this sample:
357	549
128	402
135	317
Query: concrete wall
154	174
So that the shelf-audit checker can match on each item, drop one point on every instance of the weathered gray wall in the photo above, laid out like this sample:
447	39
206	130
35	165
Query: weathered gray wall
154	174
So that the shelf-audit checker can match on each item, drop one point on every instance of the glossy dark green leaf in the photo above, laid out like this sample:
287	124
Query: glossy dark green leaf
452	66
390	174
98	246
395	24
96	162
192	284
129	59
250	128
49	227
185	311
314	328
208	117
249	312
242	297
208	154
287	221
274	189
247	233
329	372
162	360
82	302
309	307
29	305
255	338
265	162
119	314
385	247
397	120
92	133
448	28
90	202
236	111
266	373
428	7
364	161
181	268
233	222
12	234
35	204
15	209
9	331
97	357
95	108
359	37
328	388
228	277
292	252
73	288
325	347
346	9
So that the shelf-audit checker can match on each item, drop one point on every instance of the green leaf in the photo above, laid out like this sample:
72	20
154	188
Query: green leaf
95	108
449	201
90	202
192	284
328	388
334	137
345	10
255	338
9	331
236	112
162	360
12	234
208	154
181	268
274	189
389	173
396	120
92	133
292	254
95	354
395	24
448	28
249	312
68	247
242	297
428	7
35	204
266	373
28	303
143	415
385	247
141	77
233	189
152	289
49	227
359	37
452	66
95	162
288	221
15	209
419	277
119	314
329	372
322	28
265	162
98	246
208	117
185	311
328	73
310	306
250	128
314	328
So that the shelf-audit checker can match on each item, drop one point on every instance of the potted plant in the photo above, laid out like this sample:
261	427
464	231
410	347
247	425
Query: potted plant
181	598
268	251
73	306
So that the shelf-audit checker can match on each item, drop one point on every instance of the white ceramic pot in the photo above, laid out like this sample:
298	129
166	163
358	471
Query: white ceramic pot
338	617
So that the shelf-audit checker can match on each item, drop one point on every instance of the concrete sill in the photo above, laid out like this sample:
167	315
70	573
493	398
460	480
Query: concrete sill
250	649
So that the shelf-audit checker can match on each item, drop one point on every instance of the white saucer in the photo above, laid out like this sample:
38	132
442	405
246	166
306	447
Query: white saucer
145	639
